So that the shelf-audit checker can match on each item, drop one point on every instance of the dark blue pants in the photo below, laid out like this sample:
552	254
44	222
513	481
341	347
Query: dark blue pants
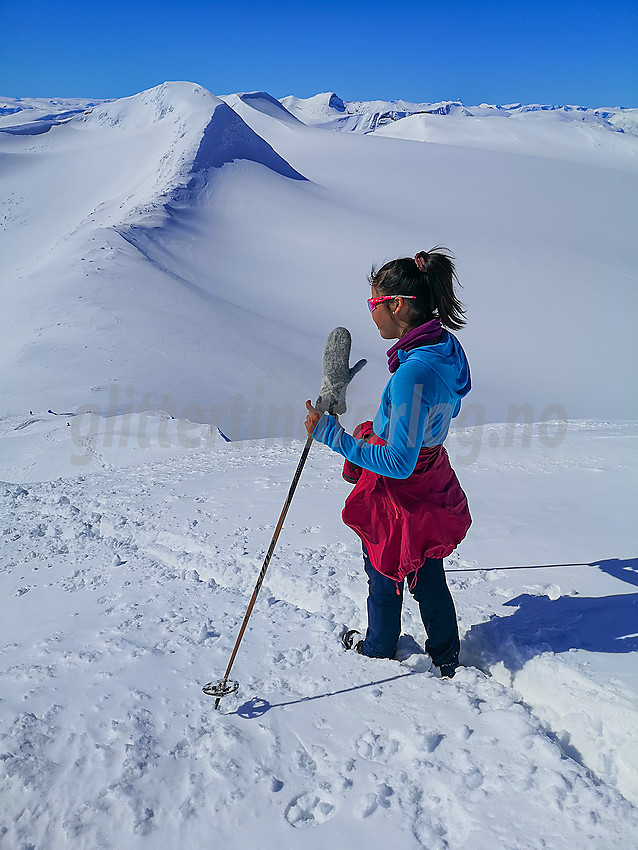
435	605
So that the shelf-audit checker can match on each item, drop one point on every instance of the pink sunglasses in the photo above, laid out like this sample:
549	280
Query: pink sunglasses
373	303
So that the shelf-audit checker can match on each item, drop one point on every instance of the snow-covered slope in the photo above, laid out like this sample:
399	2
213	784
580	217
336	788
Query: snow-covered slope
86	308
537	134
563	132
154	243
175	259
124	584
32	115
529	198
262	102
318	109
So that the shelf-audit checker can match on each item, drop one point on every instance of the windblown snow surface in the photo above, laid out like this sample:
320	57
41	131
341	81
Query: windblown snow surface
171	264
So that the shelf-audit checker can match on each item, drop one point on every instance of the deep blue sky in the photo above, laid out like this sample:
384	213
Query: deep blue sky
552	52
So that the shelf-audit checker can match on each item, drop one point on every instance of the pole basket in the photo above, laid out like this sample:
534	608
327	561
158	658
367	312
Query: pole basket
221	689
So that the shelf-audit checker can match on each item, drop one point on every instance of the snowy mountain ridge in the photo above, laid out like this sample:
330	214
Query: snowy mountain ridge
330	110
198	196
327	107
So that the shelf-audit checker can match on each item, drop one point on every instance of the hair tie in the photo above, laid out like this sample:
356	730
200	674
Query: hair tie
420	261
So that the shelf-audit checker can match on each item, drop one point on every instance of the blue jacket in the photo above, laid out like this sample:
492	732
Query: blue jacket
418	403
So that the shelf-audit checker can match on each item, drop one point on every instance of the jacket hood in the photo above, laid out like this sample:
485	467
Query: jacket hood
447	359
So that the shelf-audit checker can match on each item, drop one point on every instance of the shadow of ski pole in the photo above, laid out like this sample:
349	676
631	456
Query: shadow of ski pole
527	567
257	707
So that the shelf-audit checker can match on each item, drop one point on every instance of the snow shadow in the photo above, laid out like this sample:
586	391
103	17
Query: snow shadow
266	103
40	125
227	137
600	624
35	128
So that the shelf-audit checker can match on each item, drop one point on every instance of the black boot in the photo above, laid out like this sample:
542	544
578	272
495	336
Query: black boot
349	640
448	670
447	667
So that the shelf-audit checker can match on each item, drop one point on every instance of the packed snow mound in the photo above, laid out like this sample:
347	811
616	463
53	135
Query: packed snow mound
175	101
118	163
84	304
330	111
526	651
262	102
317	109
227	138
114	162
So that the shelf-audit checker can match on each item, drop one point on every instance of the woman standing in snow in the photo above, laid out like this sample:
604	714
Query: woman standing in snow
407	505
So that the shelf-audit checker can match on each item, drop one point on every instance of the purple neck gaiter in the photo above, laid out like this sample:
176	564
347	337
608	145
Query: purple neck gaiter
423	335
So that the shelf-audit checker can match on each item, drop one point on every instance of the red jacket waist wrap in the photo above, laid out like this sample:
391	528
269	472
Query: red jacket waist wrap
404	521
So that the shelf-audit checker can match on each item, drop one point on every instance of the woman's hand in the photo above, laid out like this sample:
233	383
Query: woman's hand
312	418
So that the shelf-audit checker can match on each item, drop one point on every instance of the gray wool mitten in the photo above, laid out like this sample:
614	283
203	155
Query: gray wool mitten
337	373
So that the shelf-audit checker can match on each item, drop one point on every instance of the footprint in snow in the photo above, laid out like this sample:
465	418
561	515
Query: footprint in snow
371	802
431	740
375	747
309	810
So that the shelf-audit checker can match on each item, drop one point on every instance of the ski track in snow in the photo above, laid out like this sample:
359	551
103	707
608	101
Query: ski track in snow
124	591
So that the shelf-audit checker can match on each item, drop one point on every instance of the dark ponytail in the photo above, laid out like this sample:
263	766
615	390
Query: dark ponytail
429	276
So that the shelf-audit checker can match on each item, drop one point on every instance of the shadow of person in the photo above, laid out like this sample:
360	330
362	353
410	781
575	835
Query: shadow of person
601	624
625	569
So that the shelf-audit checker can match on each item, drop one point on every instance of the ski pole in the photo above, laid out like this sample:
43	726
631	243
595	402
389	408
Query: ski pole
226	686
337	374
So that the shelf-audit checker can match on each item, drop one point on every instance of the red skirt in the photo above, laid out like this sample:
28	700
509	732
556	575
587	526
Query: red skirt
404	521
